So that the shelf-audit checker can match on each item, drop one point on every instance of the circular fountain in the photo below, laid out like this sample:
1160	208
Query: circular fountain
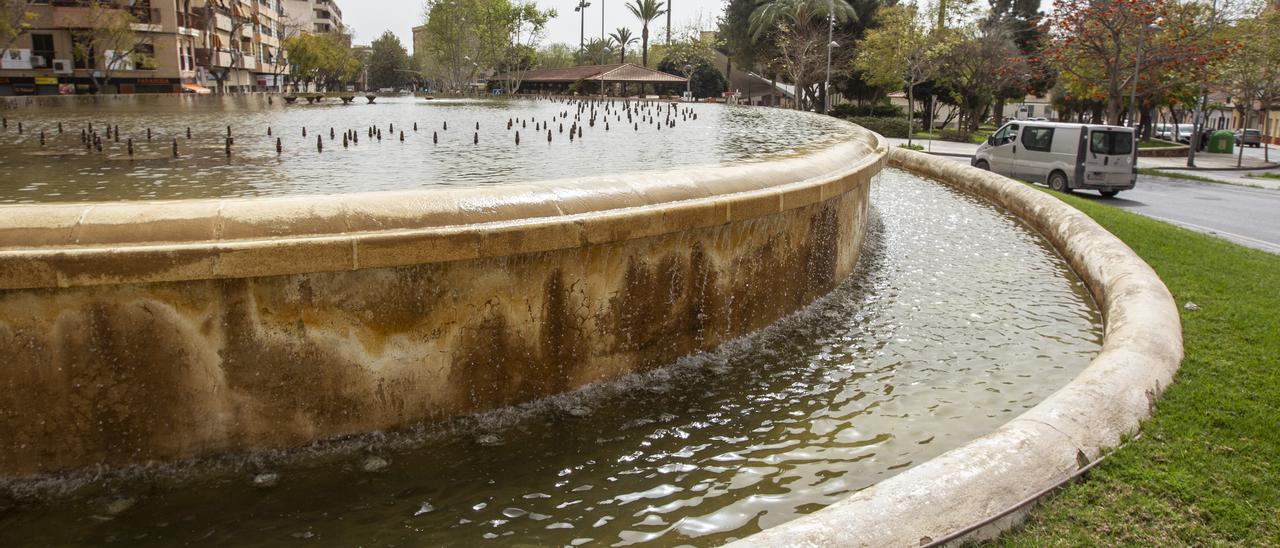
541	356
299	305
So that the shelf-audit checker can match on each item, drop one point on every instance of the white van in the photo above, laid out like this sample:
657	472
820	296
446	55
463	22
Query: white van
1064	156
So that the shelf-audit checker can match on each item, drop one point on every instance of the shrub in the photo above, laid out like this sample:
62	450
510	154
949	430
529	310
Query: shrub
889	127
911	146
956	136
874	111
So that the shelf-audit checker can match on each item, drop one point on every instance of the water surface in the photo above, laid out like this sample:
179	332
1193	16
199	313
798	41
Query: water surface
432	156
959	319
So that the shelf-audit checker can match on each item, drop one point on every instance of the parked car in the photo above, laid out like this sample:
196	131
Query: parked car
1184	133
1063	156
1251	137
1163	132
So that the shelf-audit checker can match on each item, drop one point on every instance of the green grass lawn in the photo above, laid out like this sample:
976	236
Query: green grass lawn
1264	175
1206	469
1156	143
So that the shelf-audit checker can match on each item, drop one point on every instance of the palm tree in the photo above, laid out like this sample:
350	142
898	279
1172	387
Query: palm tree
669	2
771	13
623	38
646	11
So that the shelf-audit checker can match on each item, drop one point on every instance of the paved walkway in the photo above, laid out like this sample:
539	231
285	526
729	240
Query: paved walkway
1219	167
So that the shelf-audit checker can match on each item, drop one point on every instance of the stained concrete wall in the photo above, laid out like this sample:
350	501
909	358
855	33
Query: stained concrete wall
158	331
1006	470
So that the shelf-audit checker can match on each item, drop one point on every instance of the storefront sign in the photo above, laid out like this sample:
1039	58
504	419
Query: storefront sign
46	80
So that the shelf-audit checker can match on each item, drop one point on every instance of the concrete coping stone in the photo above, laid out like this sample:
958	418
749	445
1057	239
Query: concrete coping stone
84	244
1141	352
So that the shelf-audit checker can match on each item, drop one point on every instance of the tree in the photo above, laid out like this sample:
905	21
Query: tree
16	18
799	30
108	32
557	55
595	52
1095	43
646	11
464	37
523	26
1250	75
322	58
690	56
622	38
902	51
980	61
452	44
388	62
1022	20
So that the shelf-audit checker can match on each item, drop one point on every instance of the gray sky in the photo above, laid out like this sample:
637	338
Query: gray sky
369	18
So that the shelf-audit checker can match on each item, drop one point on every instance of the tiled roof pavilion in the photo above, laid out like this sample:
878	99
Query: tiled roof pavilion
616	73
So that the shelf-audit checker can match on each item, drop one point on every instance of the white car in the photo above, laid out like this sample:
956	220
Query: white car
1063	156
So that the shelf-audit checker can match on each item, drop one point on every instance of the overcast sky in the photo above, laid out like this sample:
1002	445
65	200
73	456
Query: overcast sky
369	18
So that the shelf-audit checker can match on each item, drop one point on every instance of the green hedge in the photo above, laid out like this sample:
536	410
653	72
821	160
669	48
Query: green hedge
889	127
877	111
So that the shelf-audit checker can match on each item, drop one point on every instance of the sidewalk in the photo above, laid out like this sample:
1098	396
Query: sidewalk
940	148
1218	167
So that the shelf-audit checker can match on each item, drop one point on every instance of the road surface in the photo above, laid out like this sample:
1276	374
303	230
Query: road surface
1247	216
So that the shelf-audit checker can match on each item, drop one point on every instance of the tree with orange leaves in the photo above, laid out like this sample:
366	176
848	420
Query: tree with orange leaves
1095	44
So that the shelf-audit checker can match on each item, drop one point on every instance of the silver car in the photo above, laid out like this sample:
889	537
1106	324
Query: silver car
1251	137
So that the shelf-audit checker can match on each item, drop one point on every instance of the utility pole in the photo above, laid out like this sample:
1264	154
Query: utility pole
669	22
1197	125
831	29
581	8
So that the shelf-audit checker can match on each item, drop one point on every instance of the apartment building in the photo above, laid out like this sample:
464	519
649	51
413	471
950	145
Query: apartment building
182	45
314	16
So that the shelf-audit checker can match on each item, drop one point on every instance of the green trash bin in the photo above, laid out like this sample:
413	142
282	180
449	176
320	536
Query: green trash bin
1222	141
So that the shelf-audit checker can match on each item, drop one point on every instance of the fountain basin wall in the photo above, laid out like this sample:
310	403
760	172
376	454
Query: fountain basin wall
958	495
134	332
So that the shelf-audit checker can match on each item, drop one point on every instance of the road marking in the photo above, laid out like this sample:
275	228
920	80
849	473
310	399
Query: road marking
1255	243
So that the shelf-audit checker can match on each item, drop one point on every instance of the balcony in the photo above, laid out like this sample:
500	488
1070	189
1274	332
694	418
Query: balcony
191	21
206	57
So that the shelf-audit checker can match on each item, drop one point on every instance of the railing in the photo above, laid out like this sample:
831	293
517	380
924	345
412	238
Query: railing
191	20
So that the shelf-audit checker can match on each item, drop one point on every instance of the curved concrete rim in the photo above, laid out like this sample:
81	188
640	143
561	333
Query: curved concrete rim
85	244
1141	352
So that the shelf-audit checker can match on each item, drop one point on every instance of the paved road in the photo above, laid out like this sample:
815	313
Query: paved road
1247	216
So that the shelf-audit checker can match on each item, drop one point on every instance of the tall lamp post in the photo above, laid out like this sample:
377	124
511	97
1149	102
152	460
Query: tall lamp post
1137	70
831	43
581	8
688	82
1197	128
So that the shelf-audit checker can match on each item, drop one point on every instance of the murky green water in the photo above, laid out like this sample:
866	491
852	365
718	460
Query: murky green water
63	170
959	319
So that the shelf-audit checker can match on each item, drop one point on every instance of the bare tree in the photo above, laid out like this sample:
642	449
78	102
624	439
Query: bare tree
211	11
15	19
109	32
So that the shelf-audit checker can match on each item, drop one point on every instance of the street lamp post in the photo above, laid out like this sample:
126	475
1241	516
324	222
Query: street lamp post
831	43
1197	126
581	8
1137	70
688	82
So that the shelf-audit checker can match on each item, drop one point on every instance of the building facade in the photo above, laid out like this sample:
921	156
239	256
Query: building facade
314	16
181	45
